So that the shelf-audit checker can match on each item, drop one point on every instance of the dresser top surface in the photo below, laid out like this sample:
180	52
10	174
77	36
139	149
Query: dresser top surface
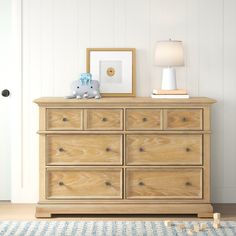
123	100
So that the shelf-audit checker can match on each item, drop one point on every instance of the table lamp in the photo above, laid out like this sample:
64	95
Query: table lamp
169	54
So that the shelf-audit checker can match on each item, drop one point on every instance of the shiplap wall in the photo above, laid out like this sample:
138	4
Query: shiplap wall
56	34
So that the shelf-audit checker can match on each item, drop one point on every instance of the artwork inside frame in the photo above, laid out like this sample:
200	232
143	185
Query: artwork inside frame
115	69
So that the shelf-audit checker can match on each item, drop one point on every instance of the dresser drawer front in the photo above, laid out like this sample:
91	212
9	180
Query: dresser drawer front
183	119
84	149
143	119
164	149
104	119
64	119
81	183
164	183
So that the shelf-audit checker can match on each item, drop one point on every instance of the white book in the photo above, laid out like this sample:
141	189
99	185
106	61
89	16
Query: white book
170	96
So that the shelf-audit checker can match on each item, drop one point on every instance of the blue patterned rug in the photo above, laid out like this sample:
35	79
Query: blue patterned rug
109	228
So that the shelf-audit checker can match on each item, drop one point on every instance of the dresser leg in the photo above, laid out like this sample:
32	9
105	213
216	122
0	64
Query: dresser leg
42	213
205	215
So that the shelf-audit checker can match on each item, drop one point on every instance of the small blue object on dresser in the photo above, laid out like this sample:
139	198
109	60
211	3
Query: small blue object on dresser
86	78
85	87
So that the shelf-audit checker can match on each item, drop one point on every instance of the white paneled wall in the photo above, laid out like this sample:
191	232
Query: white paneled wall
56	34
228	100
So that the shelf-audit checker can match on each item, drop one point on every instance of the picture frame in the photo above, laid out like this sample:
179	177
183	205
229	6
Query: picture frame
115	69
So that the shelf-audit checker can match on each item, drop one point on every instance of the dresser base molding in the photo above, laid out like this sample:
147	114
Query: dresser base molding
47	210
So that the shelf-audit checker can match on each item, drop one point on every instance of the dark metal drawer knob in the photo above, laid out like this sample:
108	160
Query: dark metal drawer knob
141	149
188	149
64	119
141	183
184	119
188	184
107	183
144	119
104	119
108	149
61	149
61	183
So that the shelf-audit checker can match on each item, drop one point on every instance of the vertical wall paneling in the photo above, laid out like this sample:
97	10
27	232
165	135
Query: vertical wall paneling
83	34
157	10
191	46
56	34
229	96
120	23
211	80
102	23
31	88
137	36
65	45
47	47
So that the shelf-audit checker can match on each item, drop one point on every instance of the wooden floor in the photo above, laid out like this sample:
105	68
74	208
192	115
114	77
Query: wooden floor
10	211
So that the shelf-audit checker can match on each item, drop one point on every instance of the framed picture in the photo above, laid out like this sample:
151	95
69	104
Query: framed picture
115	69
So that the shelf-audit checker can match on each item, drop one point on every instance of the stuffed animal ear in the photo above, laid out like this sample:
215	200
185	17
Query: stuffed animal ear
85	78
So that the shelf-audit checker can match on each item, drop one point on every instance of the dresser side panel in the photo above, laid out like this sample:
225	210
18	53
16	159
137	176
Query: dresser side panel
42	164
42	118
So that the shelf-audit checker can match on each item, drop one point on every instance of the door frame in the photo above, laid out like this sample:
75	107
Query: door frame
16	106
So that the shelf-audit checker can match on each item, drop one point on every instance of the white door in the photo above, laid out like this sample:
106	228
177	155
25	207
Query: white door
5	98
5	155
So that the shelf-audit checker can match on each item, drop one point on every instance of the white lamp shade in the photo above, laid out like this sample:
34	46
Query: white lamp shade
169	53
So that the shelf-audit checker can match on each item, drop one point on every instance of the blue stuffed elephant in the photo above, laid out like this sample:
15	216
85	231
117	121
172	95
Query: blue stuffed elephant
85	87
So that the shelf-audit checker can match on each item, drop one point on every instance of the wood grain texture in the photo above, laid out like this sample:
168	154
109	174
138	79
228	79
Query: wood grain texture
11	211
162	167
64	119
42	118
122	101
45	210
164	183
103	119
84	149
183	119
164	149
143	119
87	183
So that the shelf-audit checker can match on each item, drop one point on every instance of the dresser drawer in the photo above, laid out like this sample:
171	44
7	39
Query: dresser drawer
164	183
79	183
164	149
183	119
84	149
104	119
143	119
64	119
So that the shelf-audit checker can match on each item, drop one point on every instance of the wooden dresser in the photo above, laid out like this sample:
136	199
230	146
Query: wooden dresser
124	156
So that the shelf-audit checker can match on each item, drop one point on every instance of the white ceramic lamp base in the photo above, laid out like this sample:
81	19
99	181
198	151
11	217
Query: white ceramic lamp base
168	79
